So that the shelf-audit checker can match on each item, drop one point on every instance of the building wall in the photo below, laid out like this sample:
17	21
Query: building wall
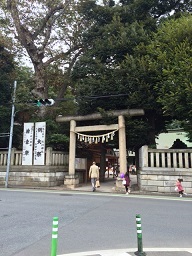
166	140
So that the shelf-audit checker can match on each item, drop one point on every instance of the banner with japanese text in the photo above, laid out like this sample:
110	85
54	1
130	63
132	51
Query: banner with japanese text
28	137
39	143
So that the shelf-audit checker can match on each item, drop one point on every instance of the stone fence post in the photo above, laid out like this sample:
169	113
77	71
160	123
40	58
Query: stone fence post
13	156
48	160
143	156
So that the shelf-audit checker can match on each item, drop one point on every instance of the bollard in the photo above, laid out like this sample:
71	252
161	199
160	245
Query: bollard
54	237
139	236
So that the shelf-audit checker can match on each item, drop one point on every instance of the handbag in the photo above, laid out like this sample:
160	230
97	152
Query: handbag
124	182
176	189
97	185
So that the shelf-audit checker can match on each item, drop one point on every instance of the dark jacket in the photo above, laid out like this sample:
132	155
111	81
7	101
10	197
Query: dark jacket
126	177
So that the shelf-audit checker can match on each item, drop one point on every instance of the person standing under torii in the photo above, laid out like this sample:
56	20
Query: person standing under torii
94	175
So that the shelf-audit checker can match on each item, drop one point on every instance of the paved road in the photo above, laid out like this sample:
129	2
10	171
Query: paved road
92	223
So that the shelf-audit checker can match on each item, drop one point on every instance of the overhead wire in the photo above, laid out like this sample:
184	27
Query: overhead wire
91	97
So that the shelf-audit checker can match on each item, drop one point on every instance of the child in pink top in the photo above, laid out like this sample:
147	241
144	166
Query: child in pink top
180	187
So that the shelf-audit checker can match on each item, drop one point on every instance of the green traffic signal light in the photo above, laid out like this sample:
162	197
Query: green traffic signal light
37	103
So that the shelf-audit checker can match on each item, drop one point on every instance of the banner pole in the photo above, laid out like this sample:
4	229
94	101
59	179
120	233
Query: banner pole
10	135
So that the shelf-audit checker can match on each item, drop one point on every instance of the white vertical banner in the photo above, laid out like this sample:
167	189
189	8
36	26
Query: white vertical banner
39	144
28	136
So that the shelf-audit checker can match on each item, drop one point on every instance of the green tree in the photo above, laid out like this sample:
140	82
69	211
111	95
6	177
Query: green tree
114	64
144	9
48	32
171	55
27	111
117	62
6	82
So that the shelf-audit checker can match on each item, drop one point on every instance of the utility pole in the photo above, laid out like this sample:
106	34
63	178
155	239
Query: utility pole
10	135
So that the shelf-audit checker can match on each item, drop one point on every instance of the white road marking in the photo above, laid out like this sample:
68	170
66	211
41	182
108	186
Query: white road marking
120	252
125	252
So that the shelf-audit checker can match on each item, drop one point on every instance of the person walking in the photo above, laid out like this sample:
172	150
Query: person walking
127	182
94	175
179	187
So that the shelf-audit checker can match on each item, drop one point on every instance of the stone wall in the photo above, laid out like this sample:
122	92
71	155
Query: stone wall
160	168
34	176
163	181
51	174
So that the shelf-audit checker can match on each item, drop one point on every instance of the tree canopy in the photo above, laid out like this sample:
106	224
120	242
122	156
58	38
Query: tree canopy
6	76
49	32
116	63
171	55
103	56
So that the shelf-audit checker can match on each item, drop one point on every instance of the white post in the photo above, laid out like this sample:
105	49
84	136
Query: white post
157	159
186	160
180	160
169	160
175	160
163	159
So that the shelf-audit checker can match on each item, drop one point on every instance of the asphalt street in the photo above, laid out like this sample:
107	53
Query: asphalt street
93	223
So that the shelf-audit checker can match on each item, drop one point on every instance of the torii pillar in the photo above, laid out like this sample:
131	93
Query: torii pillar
72	180
122	145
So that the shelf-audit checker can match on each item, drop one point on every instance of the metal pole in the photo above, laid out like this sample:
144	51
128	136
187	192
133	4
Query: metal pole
54	237
10	135
139	236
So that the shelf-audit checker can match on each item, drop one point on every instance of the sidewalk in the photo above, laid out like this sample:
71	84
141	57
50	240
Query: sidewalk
108	186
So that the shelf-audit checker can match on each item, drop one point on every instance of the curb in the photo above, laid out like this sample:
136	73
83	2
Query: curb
88	190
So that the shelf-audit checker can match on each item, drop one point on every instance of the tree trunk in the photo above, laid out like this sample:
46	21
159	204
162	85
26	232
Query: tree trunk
41	90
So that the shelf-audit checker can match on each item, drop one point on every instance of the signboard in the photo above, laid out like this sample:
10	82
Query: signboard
81	163
28	136
39	144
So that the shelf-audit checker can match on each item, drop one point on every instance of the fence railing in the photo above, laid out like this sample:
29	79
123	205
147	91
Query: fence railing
54	158
156	158
165	158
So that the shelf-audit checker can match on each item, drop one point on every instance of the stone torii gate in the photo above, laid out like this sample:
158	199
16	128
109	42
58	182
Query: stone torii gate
72	180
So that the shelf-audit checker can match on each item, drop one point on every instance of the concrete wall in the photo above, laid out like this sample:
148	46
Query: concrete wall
51	174
163	181
160	168
36	176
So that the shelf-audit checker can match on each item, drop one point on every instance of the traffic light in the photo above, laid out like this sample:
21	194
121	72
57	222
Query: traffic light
44	102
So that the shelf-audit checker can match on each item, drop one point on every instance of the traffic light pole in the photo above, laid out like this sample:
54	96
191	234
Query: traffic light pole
10	135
